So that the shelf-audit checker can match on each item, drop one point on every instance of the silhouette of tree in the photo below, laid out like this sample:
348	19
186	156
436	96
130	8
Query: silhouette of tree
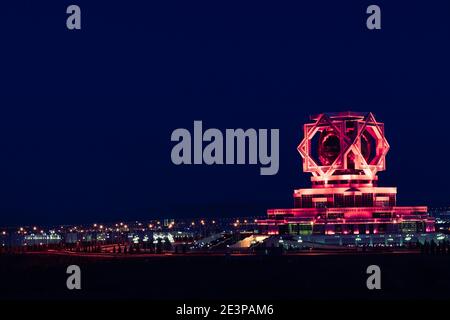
433	247
426	247
159	246
167	245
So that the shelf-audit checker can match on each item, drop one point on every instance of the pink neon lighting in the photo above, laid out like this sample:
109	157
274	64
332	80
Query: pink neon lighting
343	152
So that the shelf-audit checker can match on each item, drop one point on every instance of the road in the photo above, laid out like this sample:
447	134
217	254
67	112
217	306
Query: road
193	254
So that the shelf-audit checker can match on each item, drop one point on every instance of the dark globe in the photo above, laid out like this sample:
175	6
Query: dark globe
329	147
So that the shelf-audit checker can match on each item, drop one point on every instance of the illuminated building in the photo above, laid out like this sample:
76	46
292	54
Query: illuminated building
43	238
343	152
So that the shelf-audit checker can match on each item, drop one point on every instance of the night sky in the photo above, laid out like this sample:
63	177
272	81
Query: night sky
86	116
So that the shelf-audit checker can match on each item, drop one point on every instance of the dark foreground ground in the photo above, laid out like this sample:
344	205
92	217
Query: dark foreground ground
404	276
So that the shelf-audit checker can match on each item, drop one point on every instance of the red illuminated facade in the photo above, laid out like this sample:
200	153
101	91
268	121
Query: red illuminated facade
343	152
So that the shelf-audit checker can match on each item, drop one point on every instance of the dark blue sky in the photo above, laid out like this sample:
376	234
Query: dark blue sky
86	116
